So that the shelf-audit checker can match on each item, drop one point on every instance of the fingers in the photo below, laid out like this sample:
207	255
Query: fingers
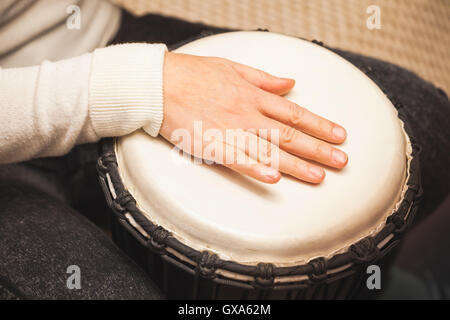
245	165
258	158
269	154
257	171
303	145
300	169
264	80
300	118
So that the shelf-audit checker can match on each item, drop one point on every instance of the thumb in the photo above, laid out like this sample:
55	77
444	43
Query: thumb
264	80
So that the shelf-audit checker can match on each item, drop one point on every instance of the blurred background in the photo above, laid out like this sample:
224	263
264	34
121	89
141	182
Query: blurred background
414	34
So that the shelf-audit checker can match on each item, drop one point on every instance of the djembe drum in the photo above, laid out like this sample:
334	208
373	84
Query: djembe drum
203	231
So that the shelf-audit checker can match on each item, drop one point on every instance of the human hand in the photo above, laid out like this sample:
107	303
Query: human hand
225	95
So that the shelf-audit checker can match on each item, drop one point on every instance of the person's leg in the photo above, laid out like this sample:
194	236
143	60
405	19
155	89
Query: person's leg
427	111
41	237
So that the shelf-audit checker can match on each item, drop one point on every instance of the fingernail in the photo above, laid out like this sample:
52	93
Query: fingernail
269	172
339	156
287	79
316	172
339	133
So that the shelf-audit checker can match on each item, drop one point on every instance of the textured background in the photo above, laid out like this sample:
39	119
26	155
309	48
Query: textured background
414	34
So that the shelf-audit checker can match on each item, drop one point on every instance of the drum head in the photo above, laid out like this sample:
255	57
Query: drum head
209	207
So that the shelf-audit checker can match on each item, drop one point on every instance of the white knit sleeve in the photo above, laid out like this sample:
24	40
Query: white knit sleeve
49	108
126	89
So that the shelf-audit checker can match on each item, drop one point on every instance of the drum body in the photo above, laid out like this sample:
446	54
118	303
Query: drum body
204	232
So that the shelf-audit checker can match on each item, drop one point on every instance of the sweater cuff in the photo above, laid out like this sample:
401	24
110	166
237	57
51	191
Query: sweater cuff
126	89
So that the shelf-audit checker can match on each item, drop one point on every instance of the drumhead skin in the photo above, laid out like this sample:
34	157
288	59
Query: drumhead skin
209	207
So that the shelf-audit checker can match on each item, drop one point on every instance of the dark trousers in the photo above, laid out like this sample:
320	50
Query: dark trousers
53	214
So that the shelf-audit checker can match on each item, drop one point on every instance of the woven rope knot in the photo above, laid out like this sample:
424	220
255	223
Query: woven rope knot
414	182
398	221
206	267
319	269
104	160
410	195
160	234
320	43
157	240
416	188
109	157
365	250
122	201
265	274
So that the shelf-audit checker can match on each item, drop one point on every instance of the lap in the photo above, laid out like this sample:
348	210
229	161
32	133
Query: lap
42	236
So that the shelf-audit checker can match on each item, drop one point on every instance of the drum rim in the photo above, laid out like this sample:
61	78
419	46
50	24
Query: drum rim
208	265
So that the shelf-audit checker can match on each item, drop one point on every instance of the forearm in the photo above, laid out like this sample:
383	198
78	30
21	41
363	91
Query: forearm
47	109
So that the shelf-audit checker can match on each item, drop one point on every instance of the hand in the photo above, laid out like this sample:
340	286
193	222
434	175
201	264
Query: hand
226	95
